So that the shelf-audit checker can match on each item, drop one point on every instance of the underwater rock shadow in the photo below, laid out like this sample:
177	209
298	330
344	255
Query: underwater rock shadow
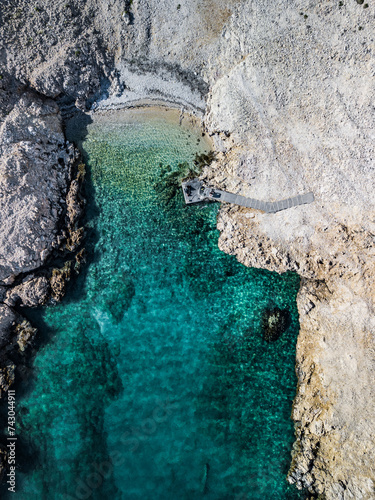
274	323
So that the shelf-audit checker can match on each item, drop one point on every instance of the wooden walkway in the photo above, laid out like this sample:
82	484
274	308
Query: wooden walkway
195	192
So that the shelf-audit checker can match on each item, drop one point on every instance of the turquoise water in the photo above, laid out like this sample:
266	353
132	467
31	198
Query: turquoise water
156	382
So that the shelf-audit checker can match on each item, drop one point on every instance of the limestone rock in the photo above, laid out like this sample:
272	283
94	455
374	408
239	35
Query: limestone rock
34	178
14	330
56	47
290	93
292	114
7	323
59	279
25	334
6	377
31	293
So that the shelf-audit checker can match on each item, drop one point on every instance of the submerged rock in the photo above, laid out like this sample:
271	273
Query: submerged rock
275	322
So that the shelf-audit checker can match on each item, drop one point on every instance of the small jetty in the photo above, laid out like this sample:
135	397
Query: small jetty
195	192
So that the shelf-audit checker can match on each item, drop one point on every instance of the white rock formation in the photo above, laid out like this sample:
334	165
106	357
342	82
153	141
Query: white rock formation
33	184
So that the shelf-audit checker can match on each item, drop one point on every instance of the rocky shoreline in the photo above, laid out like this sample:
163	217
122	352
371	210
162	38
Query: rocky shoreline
41	204
287	92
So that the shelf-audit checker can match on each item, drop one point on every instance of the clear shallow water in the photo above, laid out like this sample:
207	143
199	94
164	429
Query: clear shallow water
156	383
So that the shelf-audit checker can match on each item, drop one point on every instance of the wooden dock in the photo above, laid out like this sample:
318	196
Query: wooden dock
195	192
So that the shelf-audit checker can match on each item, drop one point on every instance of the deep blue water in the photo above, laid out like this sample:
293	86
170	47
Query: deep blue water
156	382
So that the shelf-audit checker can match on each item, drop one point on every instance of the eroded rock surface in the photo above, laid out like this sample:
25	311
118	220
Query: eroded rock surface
36	167
295	114
290	89
35	173
32	292
16	334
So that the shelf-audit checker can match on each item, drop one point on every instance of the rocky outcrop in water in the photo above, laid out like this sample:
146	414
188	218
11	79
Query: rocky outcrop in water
275	322
16	334
294	114
31	292
290	109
